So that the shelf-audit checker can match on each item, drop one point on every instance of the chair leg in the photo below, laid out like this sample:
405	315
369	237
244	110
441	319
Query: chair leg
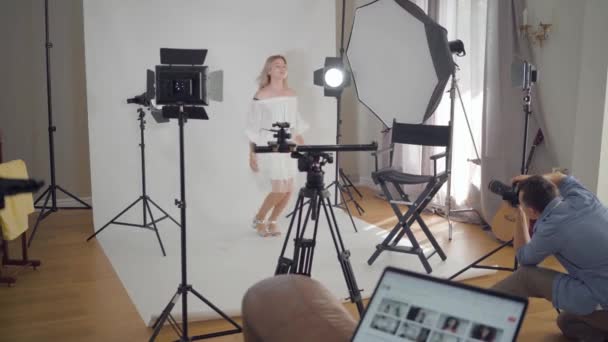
400	229
403	227
24	261
417	207
430	236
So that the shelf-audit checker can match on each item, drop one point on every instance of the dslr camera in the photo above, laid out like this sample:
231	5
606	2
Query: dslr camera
508	193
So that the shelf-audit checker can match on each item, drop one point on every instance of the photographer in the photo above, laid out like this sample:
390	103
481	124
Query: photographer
574	228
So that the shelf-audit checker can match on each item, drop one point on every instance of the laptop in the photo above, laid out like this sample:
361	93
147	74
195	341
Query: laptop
408	306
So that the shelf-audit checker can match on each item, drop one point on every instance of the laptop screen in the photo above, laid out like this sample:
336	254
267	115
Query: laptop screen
407	306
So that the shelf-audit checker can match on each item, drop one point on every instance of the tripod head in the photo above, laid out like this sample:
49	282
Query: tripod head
312	163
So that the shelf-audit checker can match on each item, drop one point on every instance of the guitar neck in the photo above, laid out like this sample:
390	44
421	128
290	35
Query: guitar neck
529	160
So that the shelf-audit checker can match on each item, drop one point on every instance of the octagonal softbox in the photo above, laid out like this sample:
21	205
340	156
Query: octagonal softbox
400	60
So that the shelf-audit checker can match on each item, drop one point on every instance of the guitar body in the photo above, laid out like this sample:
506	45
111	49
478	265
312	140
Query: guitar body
505	221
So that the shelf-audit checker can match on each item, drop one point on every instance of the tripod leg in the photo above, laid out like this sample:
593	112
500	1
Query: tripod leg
345	201
349	213
285	264
292	213
41	216
303	249
216	309
346	187
474	263
158	325
173	323
349	183
343	258
114	219
41	196
164	212
147	206
86	205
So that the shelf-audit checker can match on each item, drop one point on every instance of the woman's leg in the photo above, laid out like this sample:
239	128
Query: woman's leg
279	207
271	200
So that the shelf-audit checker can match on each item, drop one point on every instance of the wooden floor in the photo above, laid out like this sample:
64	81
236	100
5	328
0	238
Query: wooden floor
76	295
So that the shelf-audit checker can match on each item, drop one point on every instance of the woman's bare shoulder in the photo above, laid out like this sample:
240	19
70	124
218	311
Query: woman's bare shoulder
262	94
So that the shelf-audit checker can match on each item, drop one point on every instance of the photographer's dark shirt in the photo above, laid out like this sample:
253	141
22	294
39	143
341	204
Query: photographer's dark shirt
574	228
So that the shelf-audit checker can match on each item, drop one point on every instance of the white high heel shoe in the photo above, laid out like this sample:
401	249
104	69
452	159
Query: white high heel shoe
254	225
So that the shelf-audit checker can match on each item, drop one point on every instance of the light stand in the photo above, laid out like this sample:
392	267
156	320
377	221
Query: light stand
529	79
448	202
146	200
333	87
51	190
184	287
346	182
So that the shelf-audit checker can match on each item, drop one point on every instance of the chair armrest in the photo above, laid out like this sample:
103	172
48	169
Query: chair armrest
437	156
434	158
382	151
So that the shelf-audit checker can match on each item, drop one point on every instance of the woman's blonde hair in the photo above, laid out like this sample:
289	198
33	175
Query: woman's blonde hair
264	78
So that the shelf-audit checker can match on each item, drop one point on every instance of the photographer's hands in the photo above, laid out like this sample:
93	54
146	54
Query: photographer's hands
555	178
521	235
519	178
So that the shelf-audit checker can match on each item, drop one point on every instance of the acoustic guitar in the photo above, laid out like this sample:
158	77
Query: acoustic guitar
505	221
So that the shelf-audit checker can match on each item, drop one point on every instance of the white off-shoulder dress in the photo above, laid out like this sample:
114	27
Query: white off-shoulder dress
278	169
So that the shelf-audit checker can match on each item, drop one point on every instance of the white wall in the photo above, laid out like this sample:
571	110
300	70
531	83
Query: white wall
591	94
559	68
123	40
572	81
602	183
23	106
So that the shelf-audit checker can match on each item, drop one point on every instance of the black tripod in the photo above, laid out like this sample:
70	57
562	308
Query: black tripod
184	287
318	197
529	79
51	192
146	200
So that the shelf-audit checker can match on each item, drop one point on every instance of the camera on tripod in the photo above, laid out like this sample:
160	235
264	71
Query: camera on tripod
311	158
508	193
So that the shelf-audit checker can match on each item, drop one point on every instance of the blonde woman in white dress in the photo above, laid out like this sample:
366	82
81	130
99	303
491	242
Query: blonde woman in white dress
273	102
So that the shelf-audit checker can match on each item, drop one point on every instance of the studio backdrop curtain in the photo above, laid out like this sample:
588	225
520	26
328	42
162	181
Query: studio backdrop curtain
503	117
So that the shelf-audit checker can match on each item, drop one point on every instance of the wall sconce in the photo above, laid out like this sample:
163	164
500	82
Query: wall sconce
540	34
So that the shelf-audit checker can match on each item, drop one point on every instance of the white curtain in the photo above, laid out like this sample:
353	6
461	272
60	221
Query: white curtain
464	20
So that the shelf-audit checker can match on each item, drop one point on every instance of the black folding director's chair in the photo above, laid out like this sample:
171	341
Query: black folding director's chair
412	134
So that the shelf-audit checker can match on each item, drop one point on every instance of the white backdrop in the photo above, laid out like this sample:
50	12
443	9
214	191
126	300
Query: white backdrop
122	40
